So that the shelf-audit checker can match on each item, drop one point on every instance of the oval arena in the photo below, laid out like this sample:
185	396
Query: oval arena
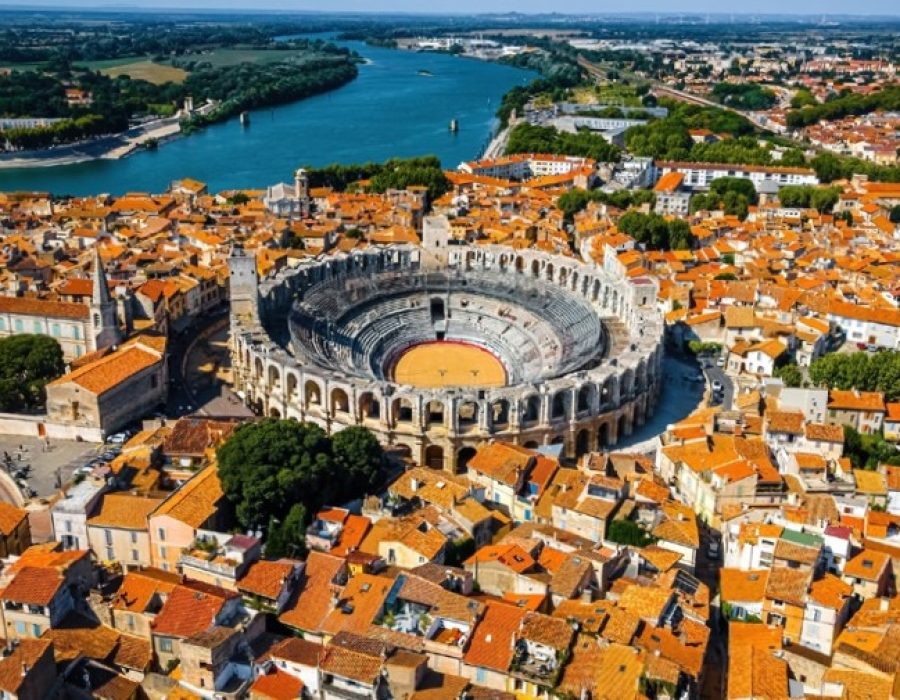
437	351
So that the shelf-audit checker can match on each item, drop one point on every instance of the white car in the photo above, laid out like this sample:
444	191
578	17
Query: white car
720	362
717	386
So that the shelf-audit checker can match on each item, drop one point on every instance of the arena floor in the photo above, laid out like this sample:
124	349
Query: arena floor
449	363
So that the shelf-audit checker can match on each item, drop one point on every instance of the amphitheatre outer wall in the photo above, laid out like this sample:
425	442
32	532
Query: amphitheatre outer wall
582	410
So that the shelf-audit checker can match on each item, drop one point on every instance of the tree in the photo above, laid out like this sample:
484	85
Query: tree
287	538
27	363
270	467
828	167
628	532
358	456
790	374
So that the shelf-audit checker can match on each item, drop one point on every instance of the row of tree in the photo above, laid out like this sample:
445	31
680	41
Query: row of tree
279	473
530	138
655	232
747	96
576	199
395	173
844	105
734	195
864	371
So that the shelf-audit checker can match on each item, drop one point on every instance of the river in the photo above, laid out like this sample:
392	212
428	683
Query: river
388	110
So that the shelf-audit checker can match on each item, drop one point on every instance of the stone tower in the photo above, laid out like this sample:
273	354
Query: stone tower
104	318
301	191
243	283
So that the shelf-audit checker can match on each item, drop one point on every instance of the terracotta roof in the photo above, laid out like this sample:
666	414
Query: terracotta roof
125	511
491	645
140	586
10	518
26	655
195	502
278	685
743	586
33	585
298	651
266	578
42	307
313	602
867	565
110	371
190	609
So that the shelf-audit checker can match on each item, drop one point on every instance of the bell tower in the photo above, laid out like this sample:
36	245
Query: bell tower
104	320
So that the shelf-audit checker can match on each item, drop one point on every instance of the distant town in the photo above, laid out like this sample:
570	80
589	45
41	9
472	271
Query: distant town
610	409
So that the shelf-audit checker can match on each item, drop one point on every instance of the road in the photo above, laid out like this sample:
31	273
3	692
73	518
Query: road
199	365
717	374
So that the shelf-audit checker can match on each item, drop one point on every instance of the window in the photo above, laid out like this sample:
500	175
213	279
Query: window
134	536
54	330
37	326
165	644
161	532
21	628
108	537
76	332
480	675
36	630
110	554
130	621
68	526
135	555
162	552
20	327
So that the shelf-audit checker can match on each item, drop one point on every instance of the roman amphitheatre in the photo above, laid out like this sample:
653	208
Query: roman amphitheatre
437	350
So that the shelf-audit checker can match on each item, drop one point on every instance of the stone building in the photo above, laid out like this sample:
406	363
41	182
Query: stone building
79	328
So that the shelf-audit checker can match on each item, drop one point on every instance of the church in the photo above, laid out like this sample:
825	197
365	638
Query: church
79	328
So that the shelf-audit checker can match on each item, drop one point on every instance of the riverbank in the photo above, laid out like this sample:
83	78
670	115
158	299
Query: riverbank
106	148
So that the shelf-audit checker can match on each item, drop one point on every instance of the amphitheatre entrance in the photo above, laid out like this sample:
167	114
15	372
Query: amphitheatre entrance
448	363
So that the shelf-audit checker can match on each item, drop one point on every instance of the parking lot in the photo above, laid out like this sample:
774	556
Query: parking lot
43	469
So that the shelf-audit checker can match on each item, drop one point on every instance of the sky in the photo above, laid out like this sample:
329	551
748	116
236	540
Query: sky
813	7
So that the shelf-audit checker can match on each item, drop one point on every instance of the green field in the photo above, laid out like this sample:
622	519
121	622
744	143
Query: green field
156	73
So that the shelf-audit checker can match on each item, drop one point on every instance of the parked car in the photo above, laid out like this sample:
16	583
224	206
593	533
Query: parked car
712	550
718	386
720	362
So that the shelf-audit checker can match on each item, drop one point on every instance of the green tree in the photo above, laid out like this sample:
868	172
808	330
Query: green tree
790	374
358	457
628	532
27	363
268	466
287	538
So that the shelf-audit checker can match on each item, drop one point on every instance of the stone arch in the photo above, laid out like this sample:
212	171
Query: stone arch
549	272
463	457
434	457
622	427
520	264
603	435
585	399
401	410
596	291
585	286
531	445
273	377
499	414
292	384
468	414
609	395
531	409
340	402
563	276
606	291
435	413
574	280
274	412
558	440
559	404
312	393
535	268
582	442
258	369
626	390
369	406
